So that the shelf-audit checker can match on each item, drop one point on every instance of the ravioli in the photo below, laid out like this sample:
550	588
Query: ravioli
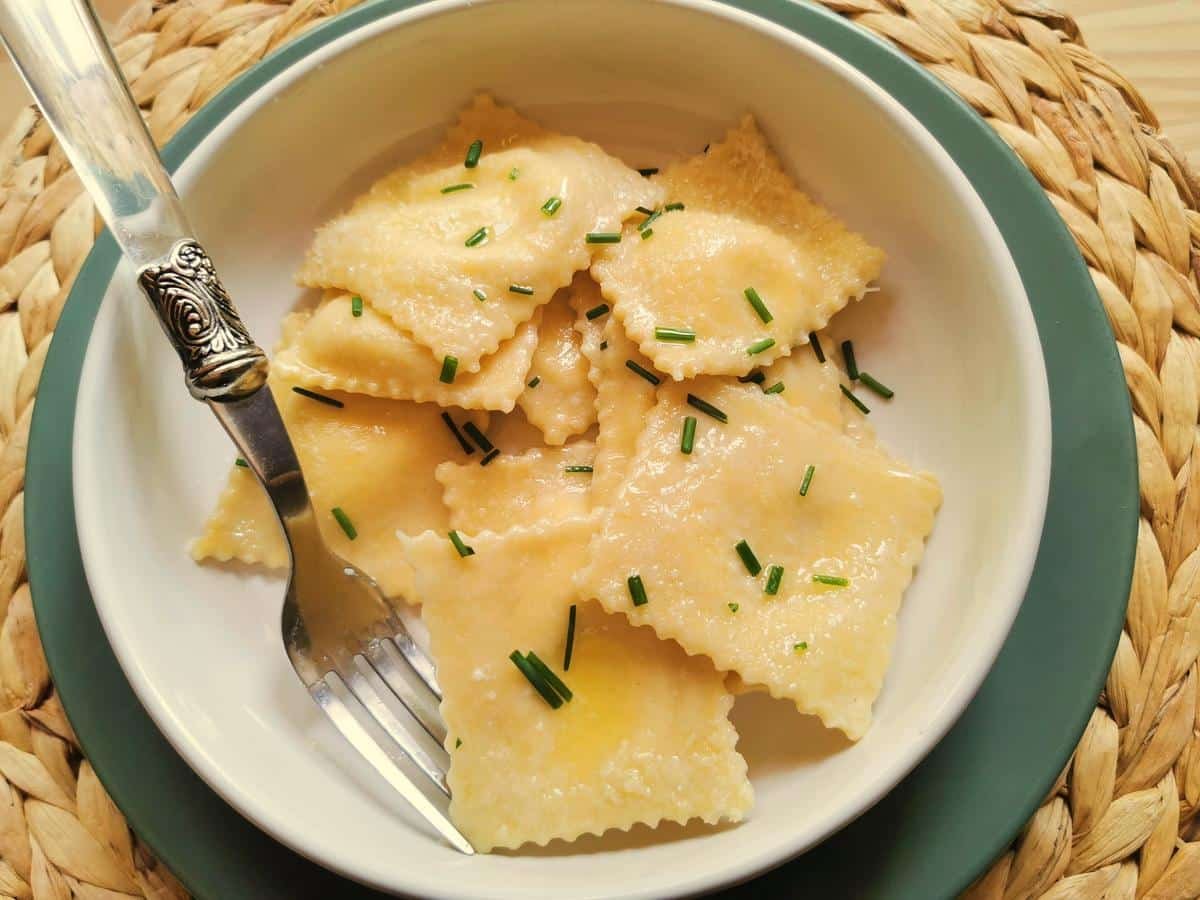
512	491
744	227
335	350
645	738
677	520
558	397
373	459
460	268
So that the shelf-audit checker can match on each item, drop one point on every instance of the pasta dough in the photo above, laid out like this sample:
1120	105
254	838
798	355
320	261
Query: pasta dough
677	520
744	225
645	738
373	459
334	350
418	254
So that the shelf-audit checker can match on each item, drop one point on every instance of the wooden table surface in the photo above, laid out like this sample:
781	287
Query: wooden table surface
1154	43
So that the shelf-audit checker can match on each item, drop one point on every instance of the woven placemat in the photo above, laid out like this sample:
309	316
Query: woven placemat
1121	821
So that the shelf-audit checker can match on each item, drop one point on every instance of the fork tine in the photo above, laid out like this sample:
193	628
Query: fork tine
389	664
383	763
430	758
416	658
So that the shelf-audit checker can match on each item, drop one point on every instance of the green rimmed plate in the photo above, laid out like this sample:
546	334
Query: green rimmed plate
1079	326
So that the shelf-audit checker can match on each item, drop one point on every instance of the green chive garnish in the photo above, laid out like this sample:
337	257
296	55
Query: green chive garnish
457	743
848	356
479	294
733	607
675	335
458	435
774	579
449	367
533	677
757	303
604	345
862	407
645	373
808	477
489	456
645	233
344	521
637	590
673	207
753	378
816	345
800	647
514	173
689	435
583	469
478	437
320	398
473	153
460	545
241	462
707	408
646	222
759	346
596	311
520	289
603	237
356	306
548	676
878	387
776	388
644	211
749	560
648	172
835	580
477	238
534	381
570	639
455	188
550	207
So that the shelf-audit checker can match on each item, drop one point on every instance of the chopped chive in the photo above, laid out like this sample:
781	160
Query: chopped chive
596	311
644	211
551	206
753	378
489	456
807	482
458	435
689	435
356	306
477	238
583	469
320	398
645	373
514	173
520	289
776	388
653	170
449	368
455	188
603	237
478	437
649	220
241	462
637	590
604	345
759	346
646	233
862	407
878	387
548	675
534	381
800	647
344	521
570	639
749	560
457	743
816	345
460	545
673	207
774	579
473	153
479	294
848	356
675	335
757	302
539	684
835	580
733	607
707	408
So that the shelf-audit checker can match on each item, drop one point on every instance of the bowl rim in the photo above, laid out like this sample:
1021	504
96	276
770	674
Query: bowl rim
1022	552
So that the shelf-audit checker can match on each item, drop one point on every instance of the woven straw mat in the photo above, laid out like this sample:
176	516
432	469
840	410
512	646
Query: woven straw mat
1121	821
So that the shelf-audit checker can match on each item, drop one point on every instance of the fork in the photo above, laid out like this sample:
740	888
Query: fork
348	644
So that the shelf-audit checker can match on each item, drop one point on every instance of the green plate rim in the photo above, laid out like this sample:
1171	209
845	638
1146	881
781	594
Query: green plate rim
1071	619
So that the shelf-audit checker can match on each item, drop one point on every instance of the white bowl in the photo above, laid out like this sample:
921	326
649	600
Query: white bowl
951	331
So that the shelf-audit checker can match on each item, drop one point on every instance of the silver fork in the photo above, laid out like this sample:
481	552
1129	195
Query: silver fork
347	643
